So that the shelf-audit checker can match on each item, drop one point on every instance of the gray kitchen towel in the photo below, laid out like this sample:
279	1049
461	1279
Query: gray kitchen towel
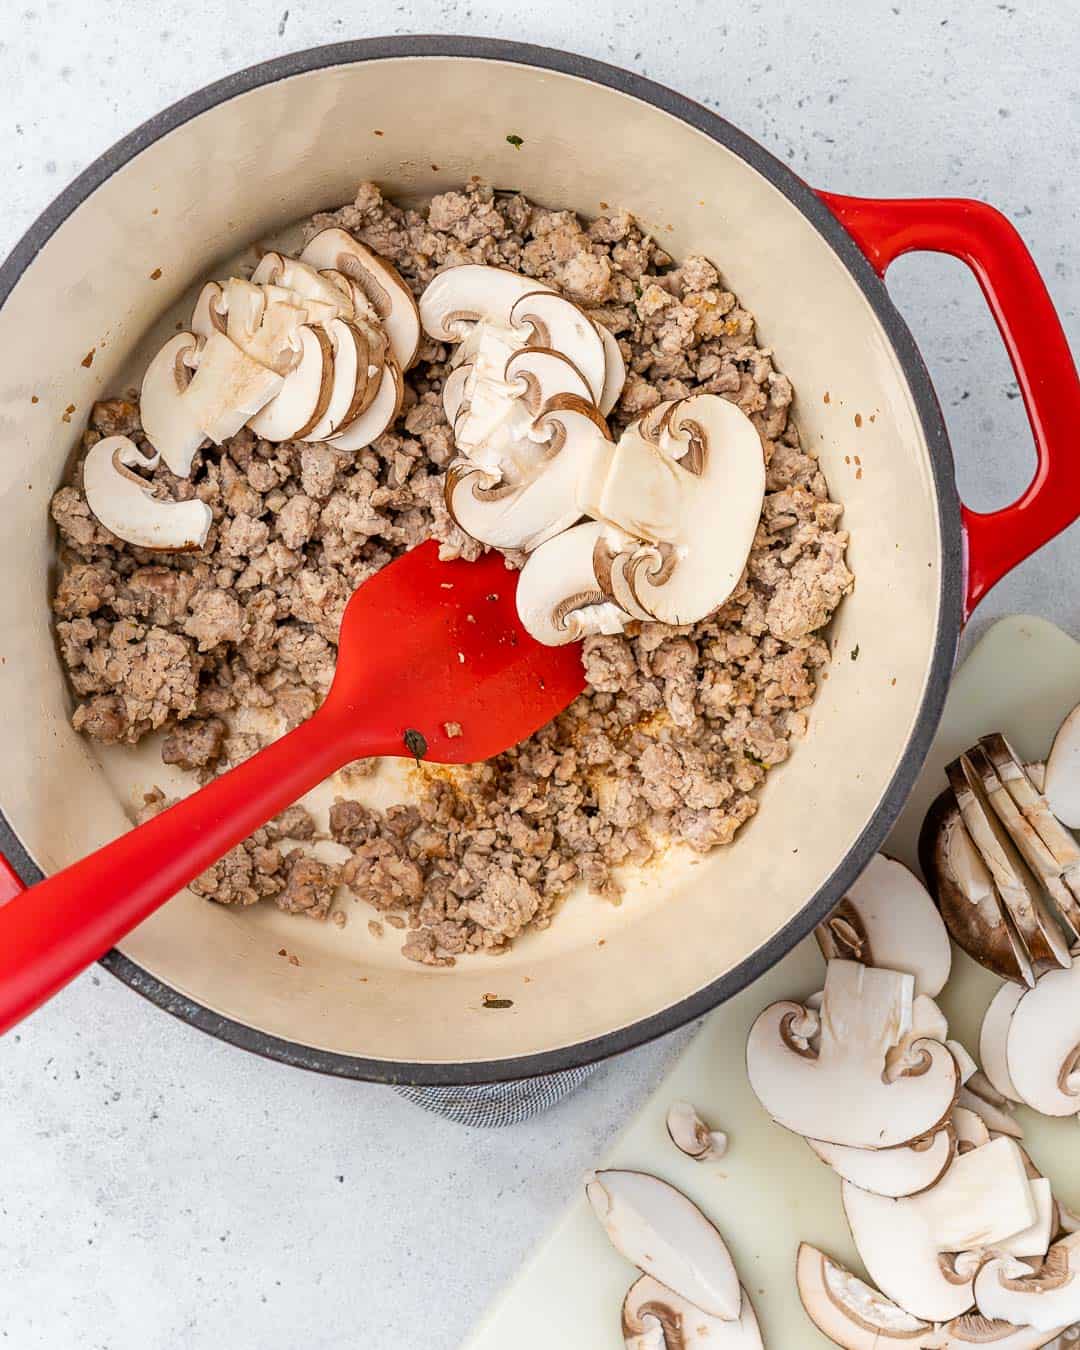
492	1104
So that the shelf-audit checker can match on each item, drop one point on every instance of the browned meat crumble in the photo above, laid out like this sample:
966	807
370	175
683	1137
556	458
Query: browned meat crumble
678	727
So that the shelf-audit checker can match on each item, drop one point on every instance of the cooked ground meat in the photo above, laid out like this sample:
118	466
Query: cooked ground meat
678	727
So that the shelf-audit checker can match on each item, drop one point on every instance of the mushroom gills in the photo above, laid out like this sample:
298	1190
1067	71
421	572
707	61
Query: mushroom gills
888	919
666	1236
1047	1299
649	1305
125	503
559	596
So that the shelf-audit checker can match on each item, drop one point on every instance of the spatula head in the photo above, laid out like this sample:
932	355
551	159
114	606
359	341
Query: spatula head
428	647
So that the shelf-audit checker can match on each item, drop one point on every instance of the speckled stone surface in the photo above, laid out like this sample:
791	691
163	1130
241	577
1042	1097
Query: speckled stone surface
160	1190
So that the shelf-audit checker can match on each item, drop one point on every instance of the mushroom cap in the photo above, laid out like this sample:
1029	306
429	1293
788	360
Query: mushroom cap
125	504
648	1303
228	388
848	1311
1047	1299
840	1094
893	1172
305	393
993	1038
1043	1044
1062	784
665	1235
559	598
167	420
335	249
888	919
380	414
691	480
459	297
614	372
560	325
350	380
690	1135
208	316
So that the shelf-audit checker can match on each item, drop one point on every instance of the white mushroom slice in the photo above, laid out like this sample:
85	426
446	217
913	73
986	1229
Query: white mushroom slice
228	388
665	1235
167	418
1034	1240
693	487
1062	785
1048	1299
971	1130
614	372
126	505
305	393
275	269
964	1062
984	1197
265	322
995	1116
689	1133
559	597
545	499
543	374
888	919
350	380
378	416
928	1022
966	895
896	1247
1025	783
857	1317
1043	1044
993	1038
454	390
460	297
315	311
1019	890
840	1095
381	283
683	1325
892	1171
559	325
208	316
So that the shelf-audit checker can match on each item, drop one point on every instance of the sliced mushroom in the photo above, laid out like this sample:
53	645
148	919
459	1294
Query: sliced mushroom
857	1317
1048	1299
614	372
379	416
457	299
928	1022
1018	888
840	1095
208	316
964	1062
559	596
665	1235
895	1245
1043	1044
167	418
979	1096
888	919
390	297
559	325
1034	1240
305	394
971	1130
683	1326
126	505
983	1198
966	895
894	1172
546	500
267	325
350	380
688	481
292	274
228	388
1025	784
993	1038
689	1133
1062	785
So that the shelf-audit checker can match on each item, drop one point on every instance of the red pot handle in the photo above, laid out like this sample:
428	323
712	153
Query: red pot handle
985	240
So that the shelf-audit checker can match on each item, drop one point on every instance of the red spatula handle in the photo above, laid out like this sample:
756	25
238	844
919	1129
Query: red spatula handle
53	930
981	237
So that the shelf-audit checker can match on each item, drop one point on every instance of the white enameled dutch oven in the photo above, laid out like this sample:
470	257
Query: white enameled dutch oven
268	146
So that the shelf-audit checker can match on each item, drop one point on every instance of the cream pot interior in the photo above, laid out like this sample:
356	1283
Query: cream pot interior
242	168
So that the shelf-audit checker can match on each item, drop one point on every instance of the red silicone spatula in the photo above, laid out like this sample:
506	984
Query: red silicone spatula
422	643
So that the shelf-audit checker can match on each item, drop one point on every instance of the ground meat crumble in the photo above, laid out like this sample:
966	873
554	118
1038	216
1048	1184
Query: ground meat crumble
678	727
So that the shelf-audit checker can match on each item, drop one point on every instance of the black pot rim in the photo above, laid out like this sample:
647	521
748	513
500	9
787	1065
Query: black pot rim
941	462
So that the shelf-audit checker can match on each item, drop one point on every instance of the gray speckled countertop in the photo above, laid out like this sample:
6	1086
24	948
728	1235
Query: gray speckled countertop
159	1189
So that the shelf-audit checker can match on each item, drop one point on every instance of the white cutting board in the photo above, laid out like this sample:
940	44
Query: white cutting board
769	1192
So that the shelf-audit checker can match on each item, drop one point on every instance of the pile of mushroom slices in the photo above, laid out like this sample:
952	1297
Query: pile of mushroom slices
672	507
688	1296
954	1223
309	349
